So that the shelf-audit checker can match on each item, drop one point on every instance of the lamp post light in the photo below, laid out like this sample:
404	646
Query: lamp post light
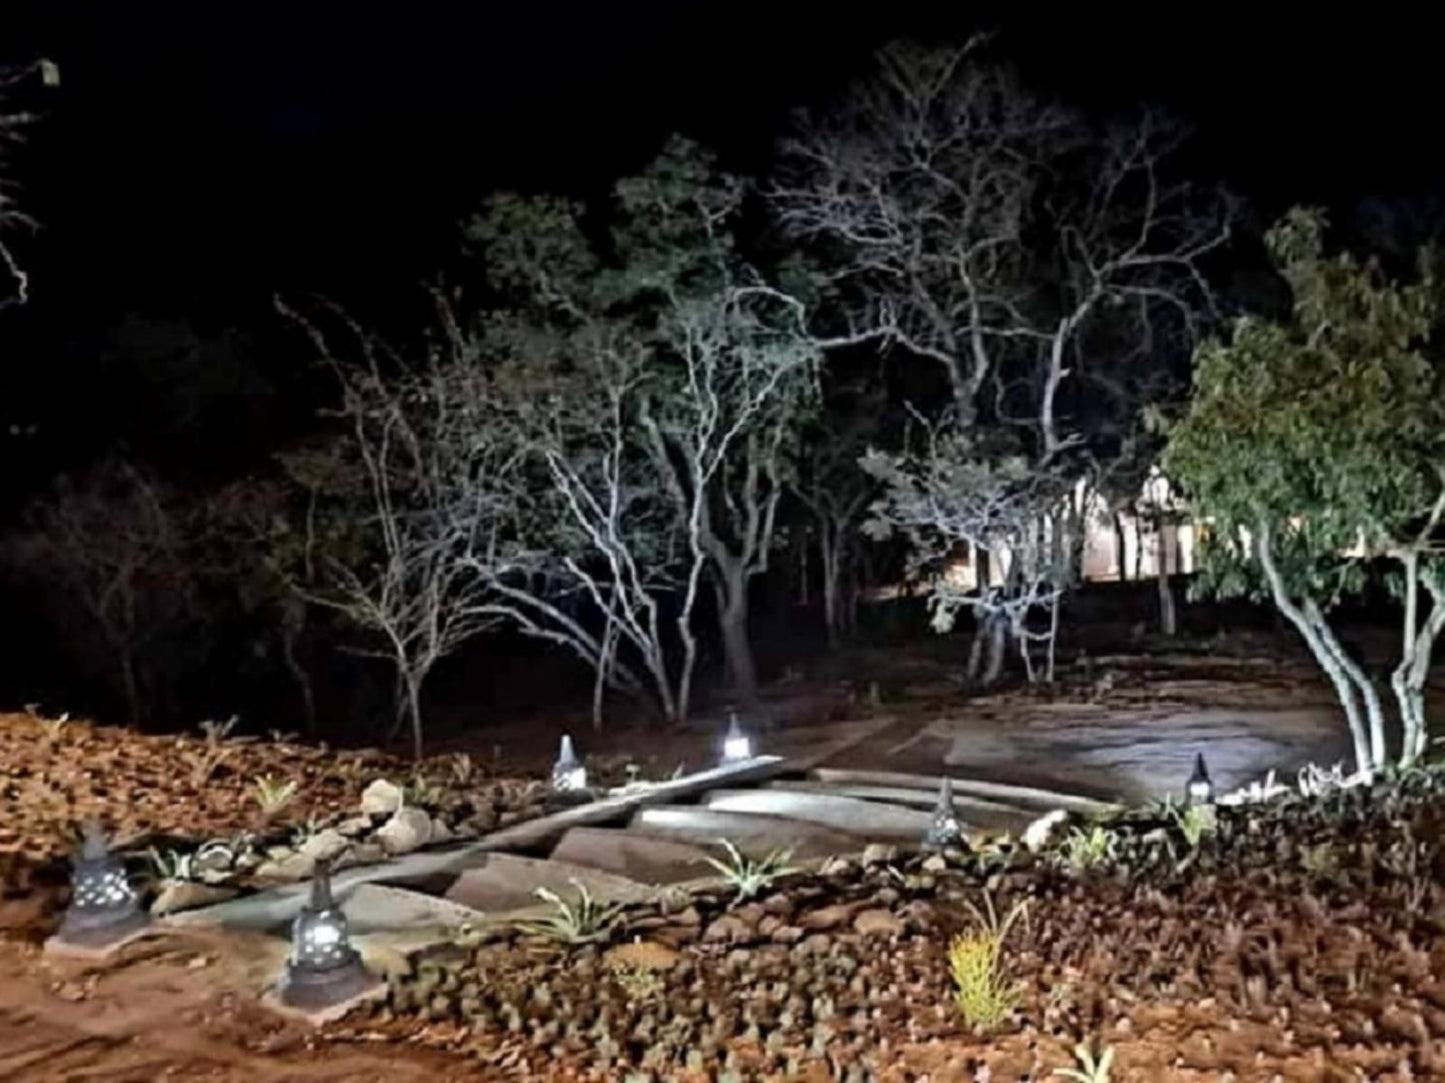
104	910
1199	791
944	831
324	977
569	774
737	745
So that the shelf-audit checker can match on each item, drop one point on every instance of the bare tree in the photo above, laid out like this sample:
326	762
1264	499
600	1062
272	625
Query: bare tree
115	540
410	462
13	122
1000	236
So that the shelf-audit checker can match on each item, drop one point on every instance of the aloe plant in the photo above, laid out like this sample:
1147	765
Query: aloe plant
747	875
584	920
273	795
1090	1069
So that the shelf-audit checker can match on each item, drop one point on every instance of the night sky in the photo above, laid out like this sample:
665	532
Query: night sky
199	156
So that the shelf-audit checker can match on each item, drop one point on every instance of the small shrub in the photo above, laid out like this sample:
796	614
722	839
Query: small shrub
749	876
217	733
1193	822
462	769
583	921
1083	850
984	994
1089	1069
422	792
170	864
273	795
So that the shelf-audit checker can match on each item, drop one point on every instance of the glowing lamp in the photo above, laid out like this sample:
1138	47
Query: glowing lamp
323	970
104	909
944	831
568	774
1200	791
737	745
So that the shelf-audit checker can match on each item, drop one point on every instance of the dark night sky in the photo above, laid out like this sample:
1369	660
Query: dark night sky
200	155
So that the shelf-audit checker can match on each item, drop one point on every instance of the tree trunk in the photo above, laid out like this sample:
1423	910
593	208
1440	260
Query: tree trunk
1168	616
733	624
832	560
1328	658
1409	678
130	686
1119	548
293	620
412	705
997	645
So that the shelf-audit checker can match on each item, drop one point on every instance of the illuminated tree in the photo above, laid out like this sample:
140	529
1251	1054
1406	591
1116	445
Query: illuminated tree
1024	252
1315	445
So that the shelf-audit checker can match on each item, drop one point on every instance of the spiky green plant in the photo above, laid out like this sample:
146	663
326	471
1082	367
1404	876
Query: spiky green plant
1083	850
422	792
983	992
584	920
170	864
273	795
216	733
747	875
1090	1069
1193	822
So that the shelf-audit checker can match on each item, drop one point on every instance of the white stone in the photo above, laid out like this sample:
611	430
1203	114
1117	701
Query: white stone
381	797
325	845
176	895
407	830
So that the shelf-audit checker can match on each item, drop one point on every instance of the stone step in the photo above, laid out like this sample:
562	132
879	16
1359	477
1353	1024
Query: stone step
754	835
1027	798
976	810
645	858
503	882
864	819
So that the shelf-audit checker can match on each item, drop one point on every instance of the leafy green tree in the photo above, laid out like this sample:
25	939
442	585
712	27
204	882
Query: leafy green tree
1314	445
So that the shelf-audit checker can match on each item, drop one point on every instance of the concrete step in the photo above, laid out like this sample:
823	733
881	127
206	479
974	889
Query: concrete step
754	835
645	858
975	810
503	882
1027	798
864	819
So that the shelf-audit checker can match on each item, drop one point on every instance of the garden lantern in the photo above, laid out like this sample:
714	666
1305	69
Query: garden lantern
944	831
104	909
1200	790
323	970
568	773
737	745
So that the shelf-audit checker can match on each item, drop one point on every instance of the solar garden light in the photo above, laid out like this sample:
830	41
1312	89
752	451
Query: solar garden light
569	774
737	745
324	976
104	910
943	831
1199	791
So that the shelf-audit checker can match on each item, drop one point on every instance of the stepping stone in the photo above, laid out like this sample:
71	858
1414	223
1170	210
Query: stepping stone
646	859
374	908
975	810
508	882
866	819
754	835
1026	797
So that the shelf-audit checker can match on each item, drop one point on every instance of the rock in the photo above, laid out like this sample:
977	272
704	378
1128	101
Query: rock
325	845
407	830
288	868
829	917
935	863
354	826
642	955
1036	835
381	797
653	859
361	853
817	944
877	923
786	934
879	853
729	929
920	914
178	895
440	832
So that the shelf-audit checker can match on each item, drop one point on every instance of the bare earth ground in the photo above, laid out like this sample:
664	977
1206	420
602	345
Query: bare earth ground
1128	725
